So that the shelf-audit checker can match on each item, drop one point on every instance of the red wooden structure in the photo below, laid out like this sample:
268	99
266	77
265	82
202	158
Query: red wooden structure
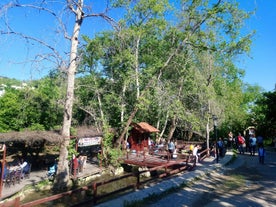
140	135
3	162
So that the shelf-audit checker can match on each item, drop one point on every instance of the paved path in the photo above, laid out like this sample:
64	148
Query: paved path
244	182
207	166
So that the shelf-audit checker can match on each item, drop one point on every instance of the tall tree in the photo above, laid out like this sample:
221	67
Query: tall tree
170	58
78	11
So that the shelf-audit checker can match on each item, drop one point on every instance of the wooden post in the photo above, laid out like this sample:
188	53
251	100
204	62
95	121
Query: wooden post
17	202
138	180
2	149
95	192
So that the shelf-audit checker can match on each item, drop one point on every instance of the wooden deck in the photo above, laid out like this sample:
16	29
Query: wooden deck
157	159
160	160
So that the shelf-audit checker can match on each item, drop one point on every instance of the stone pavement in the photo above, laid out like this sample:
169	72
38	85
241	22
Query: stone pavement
37	176
257	188
34	178
207	166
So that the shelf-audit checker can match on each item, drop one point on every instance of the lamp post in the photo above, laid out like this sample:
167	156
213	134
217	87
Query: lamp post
215	120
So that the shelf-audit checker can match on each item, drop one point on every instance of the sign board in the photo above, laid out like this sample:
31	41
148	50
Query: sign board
89	141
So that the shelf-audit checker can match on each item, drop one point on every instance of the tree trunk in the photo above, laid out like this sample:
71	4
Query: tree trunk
123	105
137	68
207	137
63	178
165	125
172	128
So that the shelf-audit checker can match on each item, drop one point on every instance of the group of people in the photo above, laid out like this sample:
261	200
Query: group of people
193	150
78	164
254	145
23	166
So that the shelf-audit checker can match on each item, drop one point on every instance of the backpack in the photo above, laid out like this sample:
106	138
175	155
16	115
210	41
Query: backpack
240	140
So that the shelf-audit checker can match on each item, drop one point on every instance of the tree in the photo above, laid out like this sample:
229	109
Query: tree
173	61
263	114
9	110
79	12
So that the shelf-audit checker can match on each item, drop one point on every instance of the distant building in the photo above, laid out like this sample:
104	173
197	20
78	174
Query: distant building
3	86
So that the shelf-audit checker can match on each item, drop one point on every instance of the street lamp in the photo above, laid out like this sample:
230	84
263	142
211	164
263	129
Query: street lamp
215	121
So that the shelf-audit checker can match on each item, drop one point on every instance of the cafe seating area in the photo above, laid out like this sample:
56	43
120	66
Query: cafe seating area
15	175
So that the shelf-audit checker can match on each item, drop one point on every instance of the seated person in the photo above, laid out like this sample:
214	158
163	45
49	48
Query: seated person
25	167
6	170
52	170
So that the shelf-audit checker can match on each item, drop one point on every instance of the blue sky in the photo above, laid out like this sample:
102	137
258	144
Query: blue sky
260	67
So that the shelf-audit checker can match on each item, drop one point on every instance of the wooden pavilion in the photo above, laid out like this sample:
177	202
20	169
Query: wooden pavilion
140	136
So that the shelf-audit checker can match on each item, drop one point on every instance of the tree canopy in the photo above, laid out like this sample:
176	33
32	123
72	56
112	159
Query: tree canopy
171	65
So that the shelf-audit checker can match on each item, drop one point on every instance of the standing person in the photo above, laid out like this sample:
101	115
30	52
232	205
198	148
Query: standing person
220	147
260	141
230	140
171	148
195	152
241	143
75	165
252	144
261	152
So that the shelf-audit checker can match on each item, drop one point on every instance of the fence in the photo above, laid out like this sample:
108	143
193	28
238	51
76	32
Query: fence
94	186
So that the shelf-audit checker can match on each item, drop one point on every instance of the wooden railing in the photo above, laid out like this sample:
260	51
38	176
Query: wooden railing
190	163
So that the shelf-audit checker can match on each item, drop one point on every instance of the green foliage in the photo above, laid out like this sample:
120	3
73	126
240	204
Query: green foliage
72	149
34	106
110	154
9	82
37	126
175	63
263	114
10	105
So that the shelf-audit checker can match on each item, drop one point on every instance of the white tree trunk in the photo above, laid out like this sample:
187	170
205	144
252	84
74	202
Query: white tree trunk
63	169
123	105
207	137
137	68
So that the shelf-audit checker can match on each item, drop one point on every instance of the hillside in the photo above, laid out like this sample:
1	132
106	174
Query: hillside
9	81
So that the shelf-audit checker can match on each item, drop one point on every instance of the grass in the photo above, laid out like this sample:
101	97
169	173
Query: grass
234	182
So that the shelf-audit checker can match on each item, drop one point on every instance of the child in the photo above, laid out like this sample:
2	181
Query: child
261	152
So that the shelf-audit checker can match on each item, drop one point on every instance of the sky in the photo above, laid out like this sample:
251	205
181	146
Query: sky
260	66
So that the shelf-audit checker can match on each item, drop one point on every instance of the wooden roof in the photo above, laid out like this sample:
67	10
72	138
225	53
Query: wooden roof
144	127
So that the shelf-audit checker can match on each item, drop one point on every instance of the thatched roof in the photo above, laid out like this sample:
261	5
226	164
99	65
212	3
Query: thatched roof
31	136
50	136
85	131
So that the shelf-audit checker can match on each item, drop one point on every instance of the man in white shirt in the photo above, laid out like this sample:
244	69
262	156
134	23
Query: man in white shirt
195	152
24	164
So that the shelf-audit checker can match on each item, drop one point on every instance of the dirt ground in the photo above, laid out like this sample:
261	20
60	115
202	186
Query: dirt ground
245	182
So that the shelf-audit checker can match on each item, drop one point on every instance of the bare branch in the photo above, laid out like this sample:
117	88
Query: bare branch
28	38
70	4
40	8
110	20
